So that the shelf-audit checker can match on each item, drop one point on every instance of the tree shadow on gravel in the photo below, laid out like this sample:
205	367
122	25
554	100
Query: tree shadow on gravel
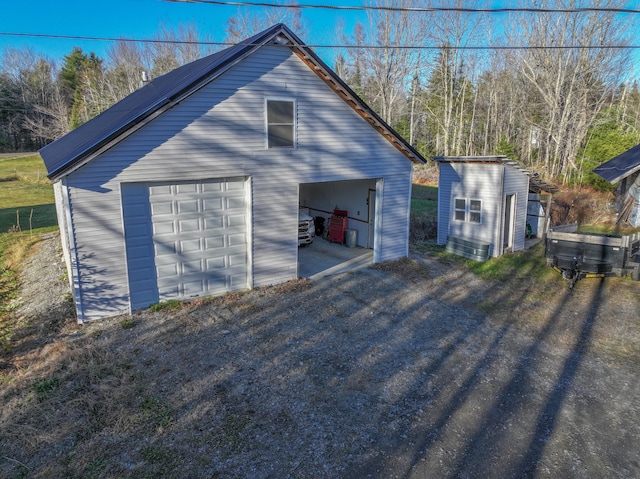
372	374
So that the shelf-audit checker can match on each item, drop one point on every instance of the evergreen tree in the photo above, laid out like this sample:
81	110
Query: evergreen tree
607	139
80	78
504	147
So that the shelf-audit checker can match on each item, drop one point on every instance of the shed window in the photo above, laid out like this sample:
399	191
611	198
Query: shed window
468	210
280	123
461	209
475	211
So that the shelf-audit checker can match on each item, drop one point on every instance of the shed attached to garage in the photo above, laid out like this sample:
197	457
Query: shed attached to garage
191	185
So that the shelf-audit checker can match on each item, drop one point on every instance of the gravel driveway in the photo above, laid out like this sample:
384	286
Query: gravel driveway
412	370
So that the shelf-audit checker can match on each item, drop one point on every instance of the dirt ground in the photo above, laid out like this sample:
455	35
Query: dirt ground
412	369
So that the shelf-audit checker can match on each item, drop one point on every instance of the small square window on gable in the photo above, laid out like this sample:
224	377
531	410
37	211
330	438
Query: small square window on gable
280	123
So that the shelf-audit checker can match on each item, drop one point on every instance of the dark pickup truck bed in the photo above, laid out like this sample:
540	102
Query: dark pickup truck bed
581	255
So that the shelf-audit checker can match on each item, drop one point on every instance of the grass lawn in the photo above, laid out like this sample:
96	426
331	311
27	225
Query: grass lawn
26	209
26	195
424	200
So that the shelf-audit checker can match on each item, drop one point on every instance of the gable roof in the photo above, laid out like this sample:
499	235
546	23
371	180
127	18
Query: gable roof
536	185
621	166
84	143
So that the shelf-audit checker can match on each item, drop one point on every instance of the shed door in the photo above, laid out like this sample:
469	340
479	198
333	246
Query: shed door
509	221
199	237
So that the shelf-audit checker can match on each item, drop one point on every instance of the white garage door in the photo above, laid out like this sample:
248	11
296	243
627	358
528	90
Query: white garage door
199	237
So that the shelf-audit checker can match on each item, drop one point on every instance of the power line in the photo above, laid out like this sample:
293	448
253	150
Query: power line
411	9
326	46
108	39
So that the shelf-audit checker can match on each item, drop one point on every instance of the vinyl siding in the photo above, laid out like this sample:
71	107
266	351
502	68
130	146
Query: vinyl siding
393	197
220	132
62	210
489	183
477	182
447	177
516	182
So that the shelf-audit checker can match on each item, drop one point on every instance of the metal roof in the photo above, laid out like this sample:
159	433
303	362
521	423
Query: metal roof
621	166
82	144
535	183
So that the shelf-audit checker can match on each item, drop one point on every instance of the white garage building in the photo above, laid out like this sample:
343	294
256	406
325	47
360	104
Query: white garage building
191	185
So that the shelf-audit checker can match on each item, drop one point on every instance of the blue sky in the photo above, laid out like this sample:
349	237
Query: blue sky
134	19
141	19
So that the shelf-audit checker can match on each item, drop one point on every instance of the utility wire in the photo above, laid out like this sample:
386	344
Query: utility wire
411	9
342	46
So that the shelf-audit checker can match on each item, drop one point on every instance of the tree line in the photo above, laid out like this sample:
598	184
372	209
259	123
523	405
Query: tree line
553	90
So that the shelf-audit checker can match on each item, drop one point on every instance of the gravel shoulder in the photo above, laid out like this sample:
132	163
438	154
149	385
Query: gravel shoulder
409	369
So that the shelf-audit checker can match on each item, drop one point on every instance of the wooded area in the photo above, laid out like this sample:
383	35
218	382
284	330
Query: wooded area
553	89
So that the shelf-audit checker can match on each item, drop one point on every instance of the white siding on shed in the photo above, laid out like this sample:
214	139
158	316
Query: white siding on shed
470	181
517	183
491	183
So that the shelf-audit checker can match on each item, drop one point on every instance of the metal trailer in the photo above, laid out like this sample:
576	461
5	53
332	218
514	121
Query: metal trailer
591	255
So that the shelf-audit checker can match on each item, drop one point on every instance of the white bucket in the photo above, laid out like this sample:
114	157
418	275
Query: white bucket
351	238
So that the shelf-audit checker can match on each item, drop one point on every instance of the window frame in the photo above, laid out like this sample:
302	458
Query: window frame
457	209
473	211
293	124
469	214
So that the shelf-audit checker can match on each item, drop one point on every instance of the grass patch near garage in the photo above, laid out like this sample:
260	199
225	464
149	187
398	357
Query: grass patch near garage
27	209
26	195
424	213
424	200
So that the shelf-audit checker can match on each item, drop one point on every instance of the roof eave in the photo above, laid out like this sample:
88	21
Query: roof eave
278	34
601	172
126	129
313	61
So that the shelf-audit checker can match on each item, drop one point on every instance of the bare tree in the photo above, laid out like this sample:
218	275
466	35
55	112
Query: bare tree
126	63
246	23
449	102
175	47
39	113
380	63
572	72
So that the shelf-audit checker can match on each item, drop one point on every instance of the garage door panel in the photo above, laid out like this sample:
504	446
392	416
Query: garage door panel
213	223
163	228
167	270
213	242
236	281
237	239
164	248
157	190
200	237
235	203
187	187
189	225
189	246
187	206
162	208
194	288
213	204
216	285
235	186
237	220
214	264
192	267
168	290
237	260
213	186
